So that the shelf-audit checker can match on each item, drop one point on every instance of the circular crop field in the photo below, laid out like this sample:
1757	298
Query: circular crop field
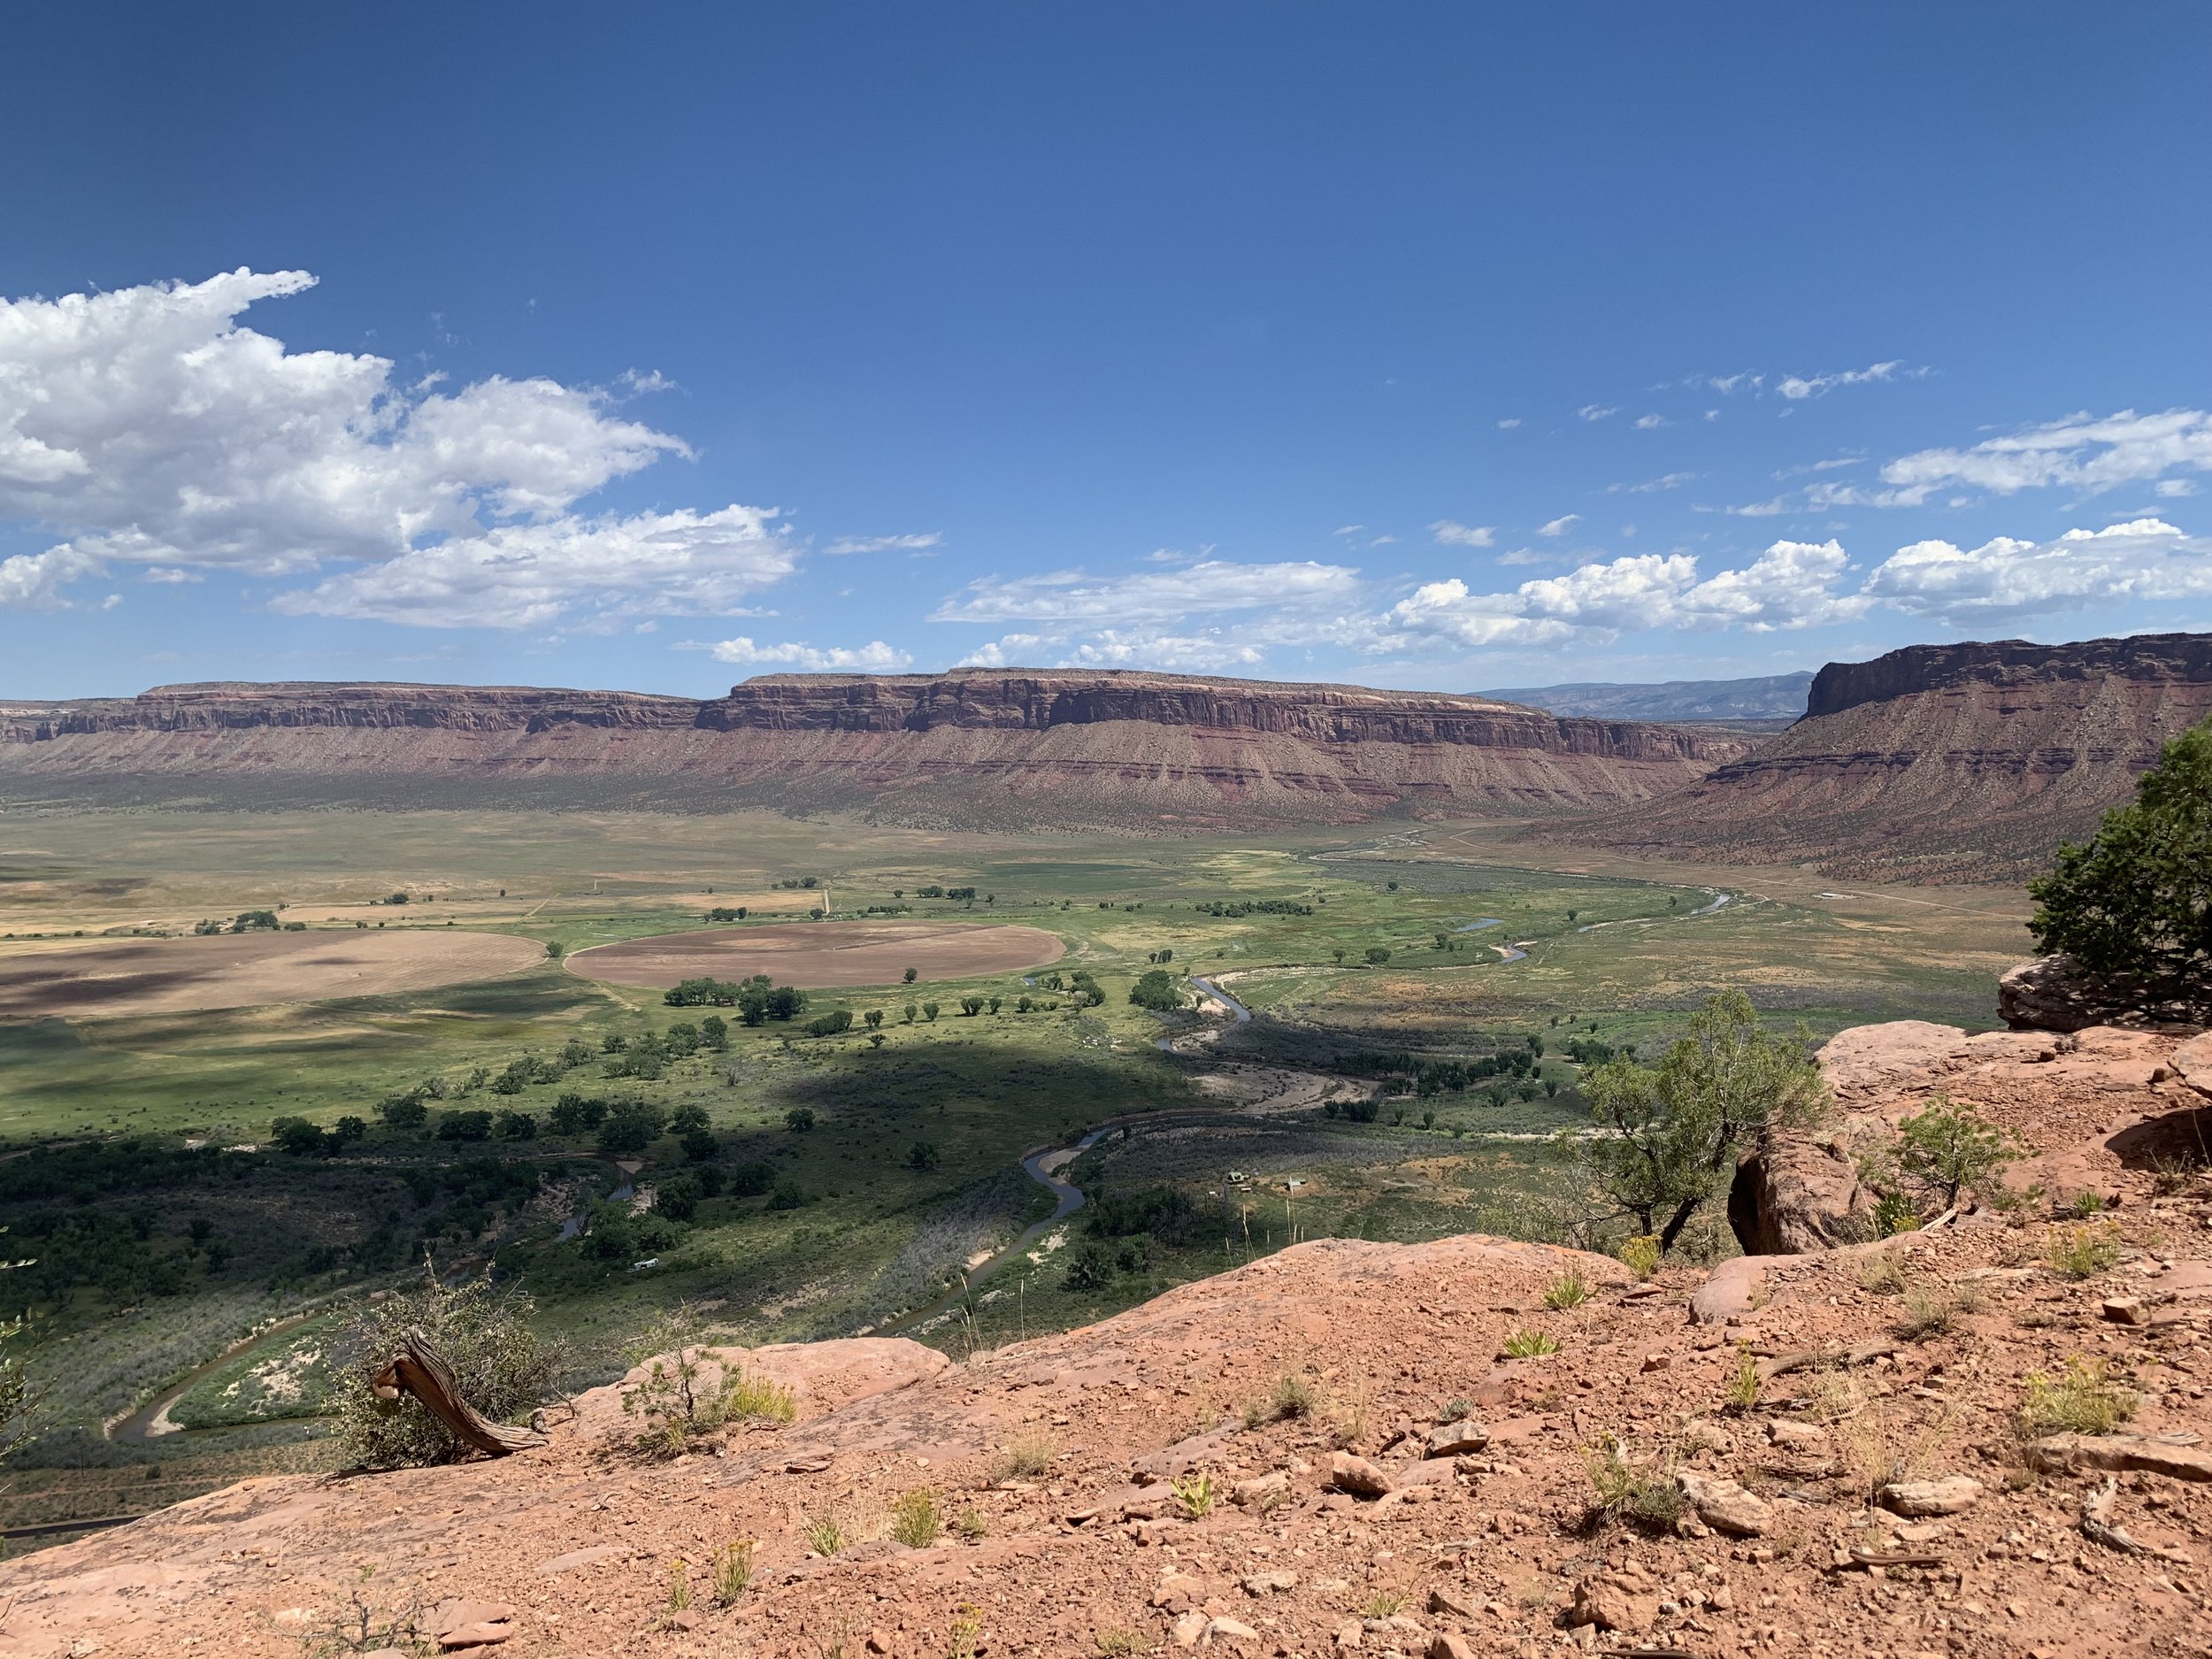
817	955
173	976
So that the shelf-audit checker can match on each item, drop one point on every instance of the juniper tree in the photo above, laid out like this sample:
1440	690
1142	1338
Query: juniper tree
2134	905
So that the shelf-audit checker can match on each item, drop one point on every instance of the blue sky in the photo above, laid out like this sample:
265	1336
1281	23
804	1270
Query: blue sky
1443	346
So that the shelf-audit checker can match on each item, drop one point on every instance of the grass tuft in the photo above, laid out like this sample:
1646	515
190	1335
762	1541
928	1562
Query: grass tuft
825	1533
1645	1493
1531	1344
733	1572
2083	1252
1194	1495
2081	1400
1026	1455
1569	1290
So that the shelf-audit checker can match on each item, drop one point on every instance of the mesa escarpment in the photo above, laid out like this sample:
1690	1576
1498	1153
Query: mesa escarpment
973	746
1968	762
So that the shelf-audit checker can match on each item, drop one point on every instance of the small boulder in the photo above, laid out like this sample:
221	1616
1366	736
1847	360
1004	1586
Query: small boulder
1450	1599
1226	1629
1187	1629
480	1633
1950	1495
1266	1583
1444	1645
1724	1505
2056	993
1457	1439
452	1614
1608	1601
1357	1476
1730	1291
1263	1490
1179	1593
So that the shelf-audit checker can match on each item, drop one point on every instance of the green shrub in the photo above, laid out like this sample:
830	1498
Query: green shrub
481	1332
1939	1152
1640	1254
1194	1494
2081	1400
915	1520
2083	1252
2134	906
1156	989
1528	1344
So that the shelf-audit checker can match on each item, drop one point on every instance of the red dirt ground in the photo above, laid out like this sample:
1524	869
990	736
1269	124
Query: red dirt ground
813	954
172	976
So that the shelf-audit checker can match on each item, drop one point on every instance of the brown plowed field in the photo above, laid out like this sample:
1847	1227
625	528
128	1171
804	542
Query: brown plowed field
813	954
175	976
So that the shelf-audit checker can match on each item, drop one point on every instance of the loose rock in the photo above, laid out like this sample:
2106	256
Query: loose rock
1950	1495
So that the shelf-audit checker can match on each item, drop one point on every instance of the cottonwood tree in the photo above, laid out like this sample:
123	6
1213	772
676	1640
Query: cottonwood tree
1667	1137
2134	905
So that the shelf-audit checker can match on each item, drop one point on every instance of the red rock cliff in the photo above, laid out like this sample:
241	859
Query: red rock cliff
972	745
1968	762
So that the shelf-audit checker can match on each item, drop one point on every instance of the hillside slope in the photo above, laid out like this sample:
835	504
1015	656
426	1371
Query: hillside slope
974	747
1961	762
1325	1450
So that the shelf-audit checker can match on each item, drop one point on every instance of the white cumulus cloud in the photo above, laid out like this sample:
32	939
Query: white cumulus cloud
1450	533
531	575
2078	452
885	544
875	657
2006	578
1157	595
1799	387
1560	525
151	428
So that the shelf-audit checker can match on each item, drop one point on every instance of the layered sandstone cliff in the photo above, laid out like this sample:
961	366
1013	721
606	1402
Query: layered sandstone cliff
972	745
1967	762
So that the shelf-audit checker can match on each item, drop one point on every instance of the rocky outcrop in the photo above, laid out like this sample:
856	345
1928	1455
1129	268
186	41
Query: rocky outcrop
1614	1486
2057	993
979	747
2080	1108
1799	1193
1936	762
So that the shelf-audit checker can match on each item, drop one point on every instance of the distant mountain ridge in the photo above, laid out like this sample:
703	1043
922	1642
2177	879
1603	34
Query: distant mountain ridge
982	746
1769	697
1965	762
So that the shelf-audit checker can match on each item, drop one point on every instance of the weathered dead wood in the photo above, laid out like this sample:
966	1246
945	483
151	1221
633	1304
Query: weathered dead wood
1858	1354
2097	1528
419	1369
1892	1558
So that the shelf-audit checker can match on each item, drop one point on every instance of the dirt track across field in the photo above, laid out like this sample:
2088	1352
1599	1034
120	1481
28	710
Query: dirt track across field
814	955
101	979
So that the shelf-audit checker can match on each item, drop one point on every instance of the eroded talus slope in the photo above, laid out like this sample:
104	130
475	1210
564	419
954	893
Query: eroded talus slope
972	747
1415	1493
1939	763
